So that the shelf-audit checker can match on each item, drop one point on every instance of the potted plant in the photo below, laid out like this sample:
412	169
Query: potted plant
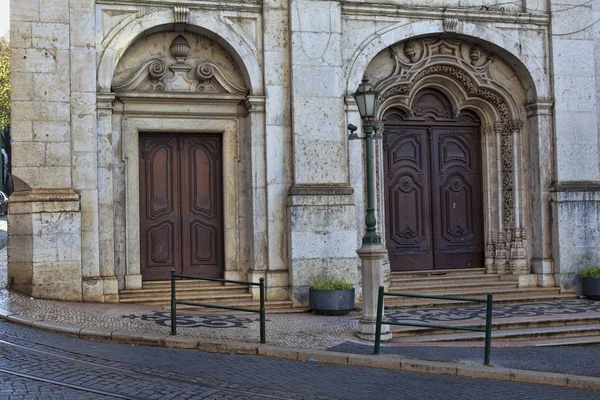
331	296
590	282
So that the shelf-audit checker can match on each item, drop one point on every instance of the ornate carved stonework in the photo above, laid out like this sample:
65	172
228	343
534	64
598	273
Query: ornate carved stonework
183	75
450	24
181	15
420	63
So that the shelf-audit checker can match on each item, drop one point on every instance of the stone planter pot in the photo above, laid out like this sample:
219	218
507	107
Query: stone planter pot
591	288
331	302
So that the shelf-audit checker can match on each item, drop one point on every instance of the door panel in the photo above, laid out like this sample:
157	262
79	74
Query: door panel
457	213
181	221
159	206
433	197
201	207
408	233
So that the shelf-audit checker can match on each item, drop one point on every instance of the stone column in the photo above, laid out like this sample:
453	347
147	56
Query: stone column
106	198
84	142
490	166
321	205
502	266
542	175
44	245
576	82
256	123
518	257
277	145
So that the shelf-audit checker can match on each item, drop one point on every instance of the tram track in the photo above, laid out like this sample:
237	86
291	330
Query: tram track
152	375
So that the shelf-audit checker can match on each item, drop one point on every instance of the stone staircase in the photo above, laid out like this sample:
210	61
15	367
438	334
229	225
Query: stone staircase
522	316
159	293
471	283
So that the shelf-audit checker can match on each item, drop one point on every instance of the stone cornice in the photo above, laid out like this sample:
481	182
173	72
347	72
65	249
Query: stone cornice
577	186
320	190
388	10
254	6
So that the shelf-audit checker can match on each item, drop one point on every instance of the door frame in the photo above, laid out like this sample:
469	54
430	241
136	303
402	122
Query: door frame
408	123
137	116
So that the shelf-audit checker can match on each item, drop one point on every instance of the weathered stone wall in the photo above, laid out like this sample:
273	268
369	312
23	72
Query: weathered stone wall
44	242
576	69
298	186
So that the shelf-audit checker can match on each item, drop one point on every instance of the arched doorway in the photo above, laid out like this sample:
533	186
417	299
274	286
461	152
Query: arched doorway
433	186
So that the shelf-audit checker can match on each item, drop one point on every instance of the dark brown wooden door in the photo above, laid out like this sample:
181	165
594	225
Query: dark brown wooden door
433	197
181	222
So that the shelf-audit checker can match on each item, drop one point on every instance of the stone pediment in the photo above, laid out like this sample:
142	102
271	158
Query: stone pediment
182	73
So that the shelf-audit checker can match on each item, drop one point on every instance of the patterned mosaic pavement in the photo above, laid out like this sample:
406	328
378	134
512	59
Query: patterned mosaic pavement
525	311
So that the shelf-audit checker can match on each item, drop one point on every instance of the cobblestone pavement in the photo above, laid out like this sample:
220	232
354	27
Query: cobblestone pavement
156	373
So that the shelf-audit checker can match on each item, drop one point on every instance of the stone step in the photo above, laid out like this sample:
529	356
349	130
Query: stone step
499	298
146	293
198	297
438	272
450	285
549	332
396	280
271	306
178	283
499	324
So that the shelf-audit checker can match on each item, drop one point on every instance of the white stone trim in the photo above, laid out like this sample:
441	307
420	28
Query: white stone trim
138	116
126	32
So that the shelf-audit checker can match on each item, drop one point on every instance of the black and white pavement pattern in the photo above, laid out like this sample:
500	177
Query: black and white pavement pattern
41	365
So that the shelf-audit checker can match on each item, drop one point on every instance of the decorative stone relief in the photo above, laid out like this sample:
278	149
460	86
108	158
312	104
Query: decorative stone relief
472	67
184	71
181	15
450	24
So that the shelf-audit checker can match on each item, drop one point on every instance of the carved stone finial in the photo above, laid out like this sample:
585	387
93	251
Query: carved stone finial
450	24
410	51
181	15
474	55
180	49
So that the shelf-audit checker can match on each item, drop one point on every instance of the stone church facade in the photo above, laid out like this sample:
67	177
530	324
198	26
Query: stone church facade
210	137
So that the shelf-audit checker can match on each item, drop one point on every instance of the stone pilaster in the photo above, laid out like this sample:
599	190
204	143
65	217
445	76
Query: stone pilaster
321	205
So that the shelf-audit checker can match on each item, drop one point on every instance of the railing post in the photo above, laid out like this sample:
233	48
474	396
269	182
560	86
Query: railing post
262	310
173	305
379	320
488	330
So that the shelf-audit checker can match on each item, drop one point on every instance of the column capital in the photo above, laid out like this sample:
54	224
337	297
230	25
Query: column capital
255	104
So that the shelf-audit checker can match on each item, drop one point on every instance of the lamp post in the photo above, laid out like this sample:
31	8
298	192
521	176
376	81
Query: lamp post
371	252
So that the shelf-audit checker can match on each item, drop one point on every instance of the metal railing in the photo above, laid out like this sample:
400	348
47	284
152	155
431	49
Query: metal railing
174	301
488	319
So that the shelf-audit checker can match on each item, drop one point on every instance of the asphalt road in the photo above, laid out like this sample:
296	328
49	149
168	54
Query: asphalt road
41	365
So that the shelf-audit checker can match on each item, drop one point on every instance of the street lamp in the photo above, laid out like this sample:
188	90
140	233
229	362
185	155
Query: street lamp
371	252
366	100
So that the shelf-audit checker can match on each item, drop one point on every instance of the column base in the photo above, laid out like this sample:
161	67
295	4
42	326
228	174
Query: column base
93	290
367	327
133	282
111	289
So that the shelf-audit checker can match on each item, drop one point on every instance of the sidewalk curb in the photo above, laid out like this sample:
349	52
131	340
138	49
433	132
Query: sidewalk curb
307	355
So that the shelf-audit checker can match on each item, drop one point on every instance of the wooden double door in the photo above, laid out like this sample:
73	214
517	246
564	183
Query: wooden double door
181	205
433	196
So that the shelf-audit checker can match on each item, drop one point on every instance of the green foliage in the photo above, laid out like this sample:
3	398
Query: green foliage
4	82
331	284
590	272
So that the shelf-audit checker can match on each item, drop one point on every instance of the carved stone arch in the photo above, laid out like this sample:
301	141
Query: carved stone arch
530	71
241	48
466	83
431	103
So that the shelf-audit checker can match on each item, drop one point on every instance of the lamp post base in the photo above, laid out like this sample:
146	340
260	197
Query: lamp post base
371	256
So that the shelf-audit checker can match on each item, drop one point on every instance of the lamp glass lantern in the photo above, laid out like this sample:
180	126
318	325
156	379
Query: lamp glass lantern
366	99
